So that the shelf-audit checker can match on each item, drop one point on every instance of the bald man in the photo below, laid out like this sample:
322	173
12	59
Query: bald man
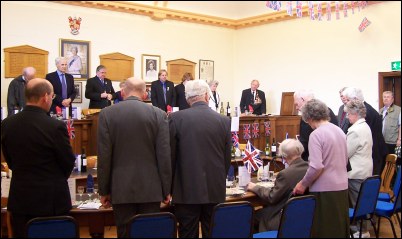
16	89
134	167
41	168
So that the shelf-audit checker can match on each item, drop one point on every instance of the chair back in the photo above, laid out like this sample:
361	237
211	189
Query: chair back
297	217
52	227
397	182
397	205
367	198
153	225
232	220
387	174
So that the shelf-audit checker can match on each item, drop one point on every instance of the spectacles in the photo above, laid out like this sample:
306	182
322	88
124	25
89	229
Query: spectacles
53	96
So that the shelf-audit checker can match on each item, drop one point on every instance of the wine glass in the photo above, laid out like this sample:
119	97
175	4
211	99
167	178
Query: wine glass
90	191
96	188
80	190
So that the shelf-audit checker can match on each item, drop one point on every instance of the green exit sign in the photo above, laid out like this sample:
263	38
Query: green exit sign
396	65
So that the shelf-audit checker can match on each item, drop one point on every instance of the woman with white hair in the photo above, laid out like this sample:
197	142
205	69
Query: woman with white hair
214	98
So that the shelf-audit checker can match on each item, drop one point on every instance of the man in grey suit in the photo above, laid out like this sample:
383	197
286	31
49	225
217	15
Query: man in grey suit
134	166
277	196
200	142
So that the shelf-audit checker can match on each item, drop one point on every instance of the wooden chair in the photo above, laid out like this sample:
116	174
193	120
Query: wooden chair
387	174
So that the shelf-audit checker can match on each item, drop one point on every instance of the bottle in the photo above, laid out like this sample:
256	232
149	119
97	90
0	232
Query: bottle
228	110
222	111
267	149
235	112
233	152
83	161
273	148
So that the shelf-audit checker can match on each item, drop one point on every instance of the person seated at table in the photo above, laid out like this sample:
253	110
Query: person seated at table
268	218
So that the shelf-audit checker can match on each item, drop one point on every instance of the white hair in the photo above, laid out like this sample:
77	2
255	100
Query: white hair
196	88
353	93
60	58
305	94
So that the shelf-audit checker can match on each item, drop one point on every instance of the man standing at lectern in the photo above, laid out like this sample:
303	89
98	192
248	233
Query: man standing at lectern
253	99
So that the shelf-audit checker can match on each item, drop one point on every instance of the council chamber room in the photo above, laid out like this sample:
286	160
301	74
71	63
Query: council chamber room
201	119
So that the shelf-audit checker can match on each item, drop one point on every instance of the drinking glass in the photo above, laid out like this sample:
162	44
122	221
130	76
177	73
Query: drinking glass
80	191
90	191
96	188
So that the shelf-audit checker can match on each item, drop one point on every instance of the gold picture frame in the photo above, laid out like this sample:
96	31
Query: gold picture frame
77	54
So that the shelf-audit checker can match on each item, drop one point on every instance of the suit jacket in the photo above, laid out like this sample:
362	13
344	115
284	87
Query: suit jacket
374	120
157	97
37	148
277	196
134	160
16	95
95	88
306	130
343	123
55	80
181	101
247	99
200	155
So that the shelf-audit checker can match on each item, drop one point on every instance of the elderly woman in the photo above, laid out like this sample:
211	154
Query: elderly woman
326	176
214	99
181	101
359	143
276	197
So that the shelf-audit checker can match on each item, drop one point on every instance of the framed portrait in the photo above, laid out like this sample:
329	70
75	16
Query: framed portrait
150	66
206	70
77	54
148	89
78	89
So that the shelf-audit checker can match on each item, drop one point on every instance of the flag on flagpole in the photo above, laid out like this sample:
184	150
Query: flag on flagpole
252	159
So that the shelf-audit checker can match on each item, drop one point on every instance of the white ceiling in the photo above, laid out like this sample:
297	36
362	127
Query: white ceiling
226	9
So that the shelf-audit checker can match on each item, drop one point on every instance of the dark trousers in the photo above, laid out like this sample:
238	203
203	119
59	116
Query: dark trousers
18	224
189	215
123	213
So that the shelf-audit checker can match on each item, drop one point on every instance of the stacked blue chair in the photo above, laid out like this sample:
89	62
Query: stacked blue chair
387	197
296	220
366	202
52	227
153	225
388	209
232	220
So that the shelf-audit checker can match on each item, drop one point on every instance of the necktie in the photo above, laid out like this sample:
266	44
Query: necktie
216	101
164	91
63	87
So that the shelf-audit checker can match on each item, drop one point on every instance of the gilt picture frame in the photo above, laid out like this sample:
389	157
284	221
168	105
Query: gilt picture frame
77	54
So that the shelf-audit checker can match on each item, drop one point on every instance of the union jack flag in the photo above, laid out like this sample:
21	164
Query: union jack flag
319	11
252	159
275	5
352	6
267	125
364	24
70	128
246	131
289	8
345	9
235	139
299	12
256	130
328	11
311	10
337	10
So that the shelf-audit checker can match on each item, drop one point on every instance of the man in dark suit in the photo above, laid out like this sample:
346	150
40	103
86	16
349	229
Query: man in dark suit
277	196
343	121
16	90
253	98
374	120
41	168
163	92
134	166
99	90
300	99
63	85
200	160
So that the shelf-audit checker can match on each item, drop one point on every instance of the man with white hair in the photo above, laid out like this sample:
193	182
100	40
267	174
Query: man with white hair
16	90
200	142
300	98
374	120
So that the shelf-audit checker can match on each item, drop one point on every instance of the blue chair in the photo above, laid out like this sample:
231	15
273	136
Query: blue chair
153	225
387	197
232	220
366	203
296	220
387	210
52	227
